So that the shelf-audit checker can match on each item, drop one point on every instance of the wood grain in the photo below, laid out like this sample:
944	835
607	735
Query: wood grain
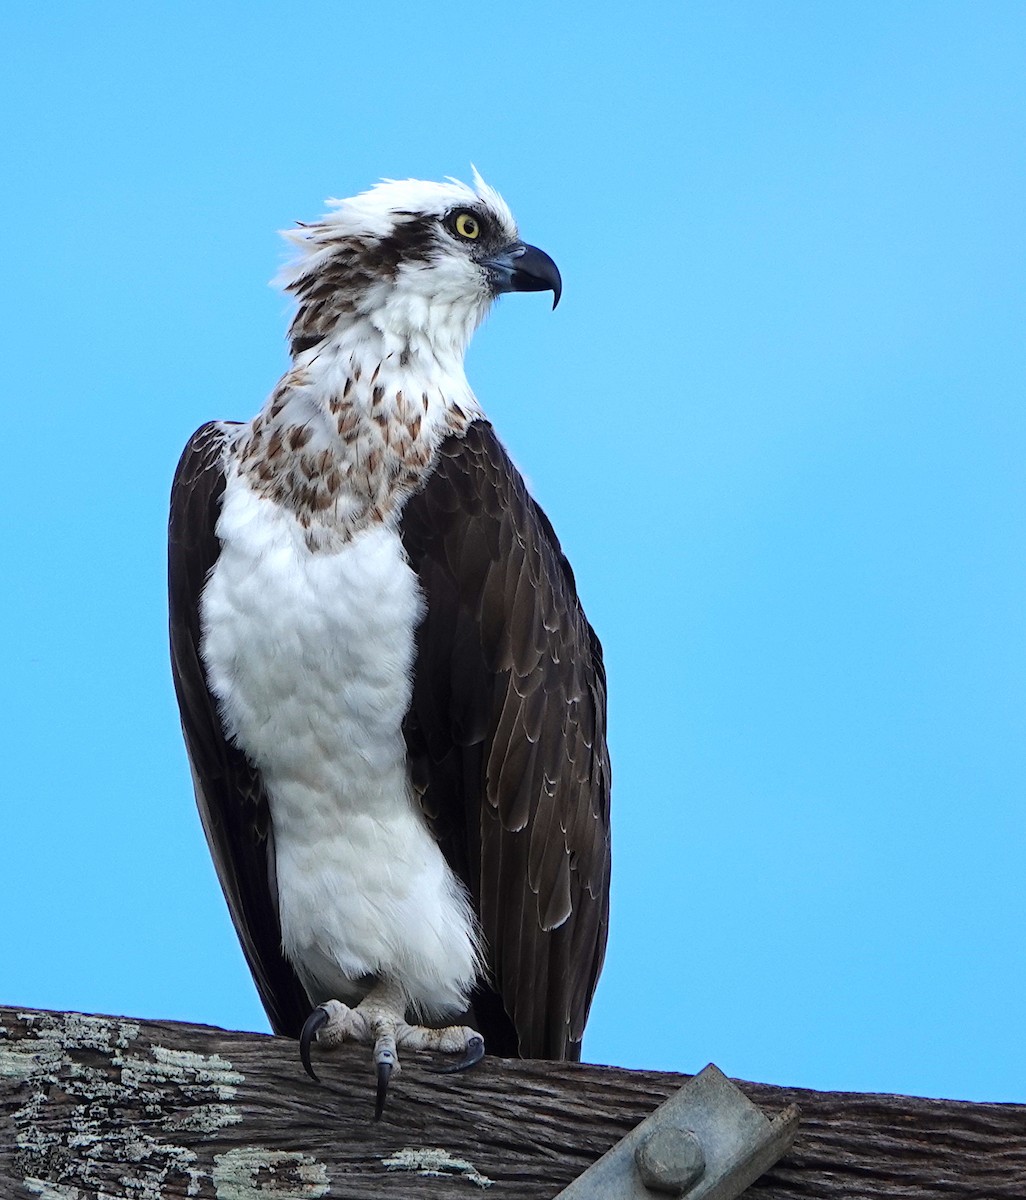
112	1107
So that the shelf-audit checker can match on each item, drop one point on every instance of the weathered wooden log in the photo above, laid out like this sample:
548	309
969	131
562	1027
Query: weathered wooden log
151	1110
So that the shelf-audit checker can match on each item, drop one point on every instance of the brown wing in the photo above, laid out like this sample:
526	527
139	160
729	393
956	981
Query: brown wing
229	791
506	739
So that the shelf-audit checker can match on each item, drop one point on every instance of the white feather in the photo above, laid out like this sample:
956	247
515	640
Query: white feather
310	655
373	214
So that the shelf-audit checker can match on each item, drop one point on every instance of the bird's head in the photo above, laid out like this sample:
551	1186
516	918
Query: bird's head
414	261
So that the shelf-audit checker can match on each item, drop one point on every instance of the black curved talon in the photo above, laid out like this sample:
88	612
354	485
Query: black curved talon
473	1055
384	1074
315	1021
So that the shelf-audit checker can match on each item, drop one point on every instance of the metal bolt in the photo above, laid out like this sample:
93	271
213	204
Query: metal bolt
670	1160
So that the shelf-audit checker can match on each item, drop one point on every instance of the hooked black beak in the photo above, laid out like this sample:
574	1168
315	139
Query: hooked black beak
522	268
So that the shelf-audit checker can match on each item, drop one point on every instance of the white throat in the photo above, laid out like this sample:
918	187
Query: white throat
410	359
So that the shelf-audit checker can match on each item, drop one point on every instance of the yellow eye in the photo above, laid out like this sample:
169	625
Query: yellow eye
468	226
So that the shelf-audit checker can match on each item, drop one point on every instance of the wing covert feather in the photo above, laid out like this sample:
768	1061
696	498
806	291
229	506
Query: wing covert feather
506	737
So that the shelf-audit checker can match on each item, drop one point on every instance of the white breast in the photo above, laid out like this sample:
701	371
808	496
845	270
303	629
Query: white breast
311	656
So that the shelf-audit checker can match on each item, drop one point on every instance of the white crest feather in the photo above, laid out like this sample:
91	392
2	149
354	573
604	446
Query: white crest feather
373	214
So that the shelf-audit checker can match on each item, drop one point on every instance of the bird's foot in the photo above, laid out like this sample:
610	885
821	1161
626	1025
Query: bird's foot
379	1021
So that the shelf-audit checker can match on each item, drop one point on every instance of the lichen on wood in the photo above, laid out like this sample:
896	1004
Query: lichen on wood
105	1108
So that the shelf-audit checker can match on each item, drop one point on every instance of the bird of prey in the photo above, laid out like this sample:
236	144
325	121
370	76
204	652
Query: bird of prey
393	704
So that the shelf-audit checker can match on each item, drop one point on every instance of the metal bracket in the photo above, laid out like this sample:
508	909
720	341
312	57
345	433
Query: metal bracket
707	1142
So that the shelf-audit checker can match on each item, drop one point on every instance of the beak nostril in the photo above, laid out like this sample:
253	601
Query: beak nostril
523	268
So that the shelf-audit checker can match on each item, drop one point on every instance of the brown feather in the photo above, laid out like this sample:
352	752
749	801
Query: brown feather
519	794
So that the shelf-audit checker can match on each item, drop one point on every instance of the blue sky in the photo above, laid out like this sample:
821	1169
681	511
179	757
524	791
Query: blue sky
777	420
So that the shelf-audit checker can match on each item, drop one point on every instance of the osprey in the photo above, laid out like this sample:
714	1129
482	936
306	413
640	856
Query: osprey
393	704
